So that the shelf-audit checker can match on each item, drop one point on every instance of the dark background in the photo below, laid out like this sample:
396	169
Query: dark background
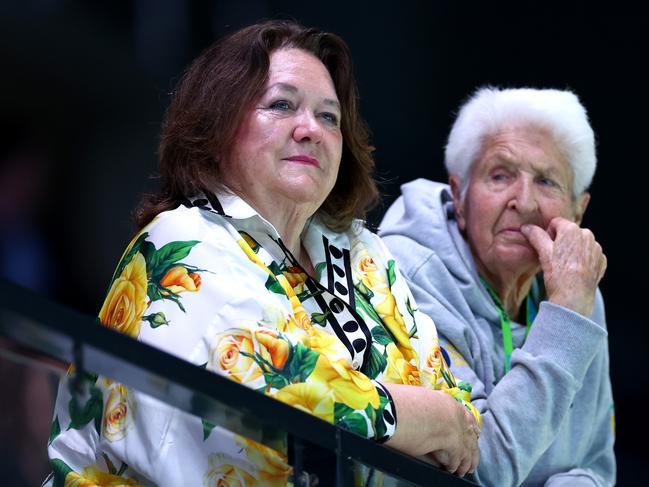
84	85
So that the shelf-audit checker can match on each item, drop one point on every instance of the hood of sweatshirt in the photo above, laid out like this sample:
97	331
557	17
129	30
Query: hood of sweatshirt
425	214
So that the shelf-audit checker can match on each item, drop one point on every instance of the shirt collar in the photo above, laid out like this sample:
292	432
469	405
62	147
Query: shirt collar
234	206
225	203
228	204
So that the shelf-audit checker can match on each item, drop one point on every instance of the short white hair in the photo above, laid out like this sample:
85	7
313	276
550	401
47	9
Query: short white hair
489	110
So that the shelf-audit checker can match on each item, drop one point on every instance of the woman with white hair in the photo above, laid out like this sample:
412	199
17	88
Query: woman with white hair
497	258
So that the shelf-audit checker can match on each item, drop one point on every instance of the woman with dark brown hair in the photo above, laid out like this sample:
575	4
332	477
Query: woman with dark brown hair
252	260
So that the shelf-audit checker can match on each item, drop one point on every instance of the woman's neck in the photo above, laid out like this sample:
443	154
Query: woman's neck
511	292
290	228
289	219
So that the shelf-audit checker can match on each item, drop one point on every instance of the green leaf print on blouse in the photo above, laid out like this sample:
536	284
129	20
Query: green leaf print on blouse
55	430
207	428
156	319
88	407
281	362
391	274
319	267
144	275
162	260
301	363
373	414
381	336
376	364
355	422
320	318
272	284
350	419
60	471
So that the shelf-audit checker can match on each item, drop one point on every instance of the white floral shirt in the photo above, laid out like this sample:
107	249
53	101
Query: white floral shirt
212	282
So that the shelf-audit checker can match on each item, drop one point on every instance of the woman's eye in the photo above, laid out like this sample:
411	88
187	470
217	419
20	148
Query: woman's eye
499	176
547	182
280	105
331	118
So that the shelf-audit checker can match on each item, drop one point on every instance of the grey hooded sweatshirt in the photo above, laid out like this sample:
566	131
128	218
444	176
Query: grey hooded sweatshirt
550	419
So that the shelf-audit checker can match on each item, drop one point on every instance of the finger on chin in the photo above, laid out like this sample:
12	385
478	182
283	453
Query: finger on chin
538	238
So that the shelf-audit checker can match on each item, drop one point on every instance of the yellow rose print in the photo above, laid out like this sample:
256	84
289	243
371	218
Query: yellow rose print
118	413
325	344
350	386
226	358
391	317
312	397
300	317
225	471
272	468
432	370
91	477
178	279
434	357
399	370
296	279
273	347
370	276
126	300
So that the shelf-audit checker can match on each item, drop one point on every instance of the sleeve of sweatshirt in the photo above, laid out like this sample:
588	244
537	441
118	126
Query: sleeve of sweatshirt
598	468
525	409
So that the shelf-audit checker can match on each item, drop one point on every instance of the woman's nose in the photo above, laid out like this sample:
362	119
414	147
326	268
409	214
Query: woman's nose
307	128
524	198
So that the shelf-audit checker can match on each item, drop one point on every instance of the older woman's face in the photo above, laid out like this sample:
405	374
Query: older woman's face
520	178
290	144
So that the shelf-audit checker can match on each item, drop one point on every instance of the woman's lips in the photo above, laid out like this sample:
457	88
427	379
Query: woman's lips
513	233
309	161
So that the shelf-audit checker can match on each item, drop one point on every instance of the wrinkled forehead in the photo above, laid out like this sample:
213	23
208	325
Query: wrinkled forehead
533	145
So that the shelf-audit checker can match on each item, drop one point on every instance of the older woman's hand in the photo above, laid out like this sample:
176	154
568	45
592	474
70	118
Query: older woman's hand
572	263
433	424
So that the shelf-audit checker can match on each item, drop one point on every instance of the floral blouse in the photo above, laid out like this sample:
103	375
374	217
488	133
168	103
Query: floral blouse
213	283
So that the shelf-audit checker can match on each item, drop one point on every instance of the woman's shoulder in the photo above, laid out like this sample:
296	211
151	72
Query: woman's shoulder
183	223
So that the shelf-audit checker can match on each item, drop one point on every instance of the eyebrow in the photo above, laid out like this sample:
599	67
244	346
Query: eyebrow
504	159
293	89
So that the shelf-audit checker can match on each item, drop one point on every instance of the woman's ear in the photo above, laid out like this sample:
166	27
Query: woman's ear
454	182
580	206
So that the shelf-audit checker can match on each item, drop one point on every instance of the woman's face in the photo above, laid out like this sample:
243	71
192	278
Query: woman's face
520	178
289	145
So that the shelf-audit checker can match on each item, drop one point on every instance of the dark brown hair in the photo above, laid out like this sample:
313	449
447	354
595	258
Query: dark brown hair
216	92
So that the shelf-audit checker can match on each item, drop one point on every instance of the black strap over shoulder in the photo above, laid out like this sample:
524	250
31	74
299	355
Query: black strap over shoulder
207	201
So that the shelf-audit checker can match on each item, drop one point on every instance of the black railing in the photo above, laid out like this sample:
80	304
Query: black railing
37	324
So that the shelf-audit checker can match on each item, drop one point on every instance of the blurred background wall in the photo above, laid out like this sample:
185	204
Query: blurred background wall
84	85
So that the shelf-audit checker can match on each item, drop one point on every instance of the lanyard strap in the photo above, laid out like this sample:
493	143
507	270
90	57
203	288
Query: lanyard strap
505	323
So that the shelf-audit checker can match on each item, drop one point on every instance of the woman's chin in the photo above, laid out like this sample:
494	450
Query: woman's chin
517	257
303	191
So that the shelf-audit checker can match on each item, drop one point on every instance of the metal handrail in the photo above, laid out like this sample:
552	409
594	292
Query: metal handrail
37	325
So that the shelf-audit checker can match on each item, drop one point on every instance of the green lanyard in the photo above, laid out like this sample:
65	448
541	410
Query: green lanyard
505	322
